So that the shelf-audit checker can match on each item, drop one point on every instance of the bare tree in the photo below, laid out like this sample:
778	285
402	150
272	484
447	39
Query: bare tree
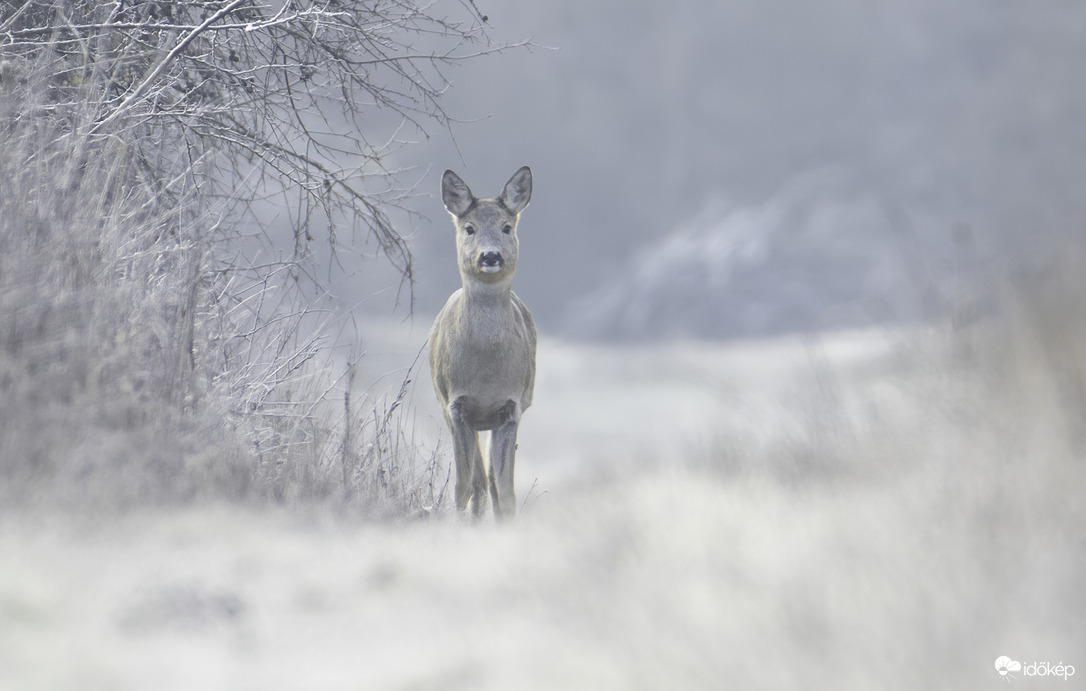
300	99
140	339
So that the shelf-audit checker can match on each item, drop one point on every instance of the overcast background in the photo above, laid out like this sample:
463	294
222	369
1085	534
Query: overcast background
726	169
865	508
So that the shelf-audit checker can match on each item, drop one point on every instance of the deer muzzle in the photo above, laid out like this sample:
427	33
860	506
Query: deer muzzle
490	261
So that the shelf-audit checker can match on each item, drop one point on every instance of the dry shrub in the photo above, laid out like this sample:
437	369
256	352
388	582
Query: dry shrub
143	362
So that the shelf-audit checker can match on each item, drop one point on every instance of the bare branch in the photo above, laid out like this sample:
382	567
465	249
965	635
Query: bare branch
142	89
299	97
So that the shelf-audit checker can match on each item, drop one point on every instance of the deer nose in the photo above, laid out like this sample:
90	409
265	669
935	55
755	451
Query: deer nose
490	259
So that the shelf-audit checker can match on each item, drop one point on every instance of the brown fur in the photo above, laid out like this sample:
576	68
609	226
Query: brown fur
483	343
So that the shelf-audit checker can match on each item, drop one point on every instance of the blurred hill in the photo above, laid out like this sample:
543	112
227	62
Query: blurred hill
814	257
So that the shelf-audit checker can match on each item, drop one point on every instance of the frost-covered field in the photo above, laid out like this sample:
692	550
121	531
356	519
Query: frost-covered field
853	511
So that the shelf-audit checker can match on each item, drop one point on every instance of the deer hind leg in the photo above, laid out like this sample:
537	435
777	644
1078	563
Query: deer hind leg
503	449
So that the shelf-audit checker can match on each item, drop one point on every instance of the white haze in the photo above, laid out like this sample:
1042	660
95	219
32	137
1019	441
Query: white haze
854	461
862	509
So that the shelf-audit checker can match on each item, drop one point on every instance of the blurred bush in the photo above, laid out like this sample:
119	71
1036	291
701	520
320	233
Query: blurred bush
146	355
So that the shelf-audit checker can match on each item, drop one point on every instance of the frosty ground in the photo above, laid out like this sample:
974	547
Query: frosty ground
874	509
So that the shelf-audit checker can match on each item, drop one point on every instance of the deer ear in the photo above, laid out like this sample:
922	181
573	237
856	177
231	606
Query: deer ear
456	194
518	191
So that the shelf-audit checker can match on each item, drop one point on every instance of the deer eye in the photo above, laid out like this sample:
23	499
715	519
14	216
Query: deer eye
469	229
507	229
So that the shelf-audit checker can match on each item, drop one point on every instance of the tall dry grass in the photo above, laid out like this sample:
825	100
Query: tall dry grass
926	517
145	360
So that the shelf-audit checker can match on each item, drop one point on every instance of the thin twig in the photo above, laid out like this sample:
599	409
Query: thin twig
161	66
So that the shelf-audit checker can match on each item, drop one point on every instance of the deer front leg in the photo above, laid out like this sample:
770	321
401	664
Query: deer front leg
465	451
503	449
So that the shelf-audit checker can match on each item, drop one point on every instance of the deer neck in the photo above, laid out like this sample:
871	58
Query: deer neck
488	306
496	294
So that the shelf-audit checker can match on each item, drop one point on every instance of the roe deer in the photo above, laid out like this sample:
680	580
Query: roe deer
482	344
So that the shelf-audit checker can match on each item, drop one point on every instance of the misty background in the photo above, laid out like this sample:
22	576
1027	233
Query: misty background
743	169
217	474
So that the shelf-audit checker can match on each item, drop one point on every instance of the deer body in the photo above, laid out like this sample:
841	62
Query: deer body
483	343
